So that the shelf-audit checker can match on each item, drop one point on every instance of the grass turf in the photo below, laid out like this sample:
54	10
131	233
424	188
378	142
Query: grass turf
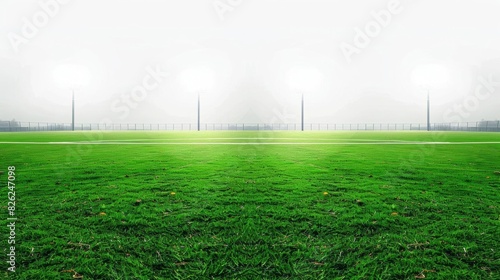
344	211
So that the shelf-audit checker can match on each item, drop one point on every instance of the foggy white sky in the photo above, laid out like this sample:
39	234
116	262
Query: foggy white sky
249	56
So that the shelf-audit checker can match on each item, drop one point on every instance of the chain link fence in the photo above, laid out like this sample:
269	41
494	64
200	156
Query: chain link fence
14	126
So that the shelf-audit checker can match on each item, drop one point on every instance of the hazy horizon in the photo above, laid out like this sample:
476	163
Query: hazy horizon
250	61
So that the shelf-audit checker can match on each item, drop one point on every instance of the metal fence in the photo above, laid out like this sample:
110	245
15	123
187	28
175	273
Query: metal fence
14	126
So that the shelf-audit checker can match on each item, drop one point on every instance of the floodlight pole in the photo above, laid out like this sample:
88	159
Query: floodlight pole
198	112
73	112
302	113
428	111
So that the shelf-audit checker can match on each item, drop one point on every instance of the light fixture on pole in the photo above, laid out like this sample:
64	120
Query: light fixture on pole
197	80
427	77
428	110
302	79
302	114
71	77
73	111
198	112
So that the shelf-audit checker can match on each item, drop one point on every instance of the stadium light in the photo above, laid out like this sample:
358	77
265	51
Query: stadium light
304	79
198	80
71	77
427	77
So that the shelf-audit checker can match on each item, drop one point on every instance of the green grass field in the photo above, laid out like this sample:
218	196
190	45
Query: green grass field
253	205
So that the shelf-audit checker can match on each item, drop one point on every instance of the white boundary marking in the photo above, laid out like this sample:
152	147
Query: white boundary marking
253	138
249	143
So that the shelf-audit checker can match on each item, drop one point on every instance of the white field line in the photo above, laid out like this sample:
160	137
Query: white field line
253	138
250	143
